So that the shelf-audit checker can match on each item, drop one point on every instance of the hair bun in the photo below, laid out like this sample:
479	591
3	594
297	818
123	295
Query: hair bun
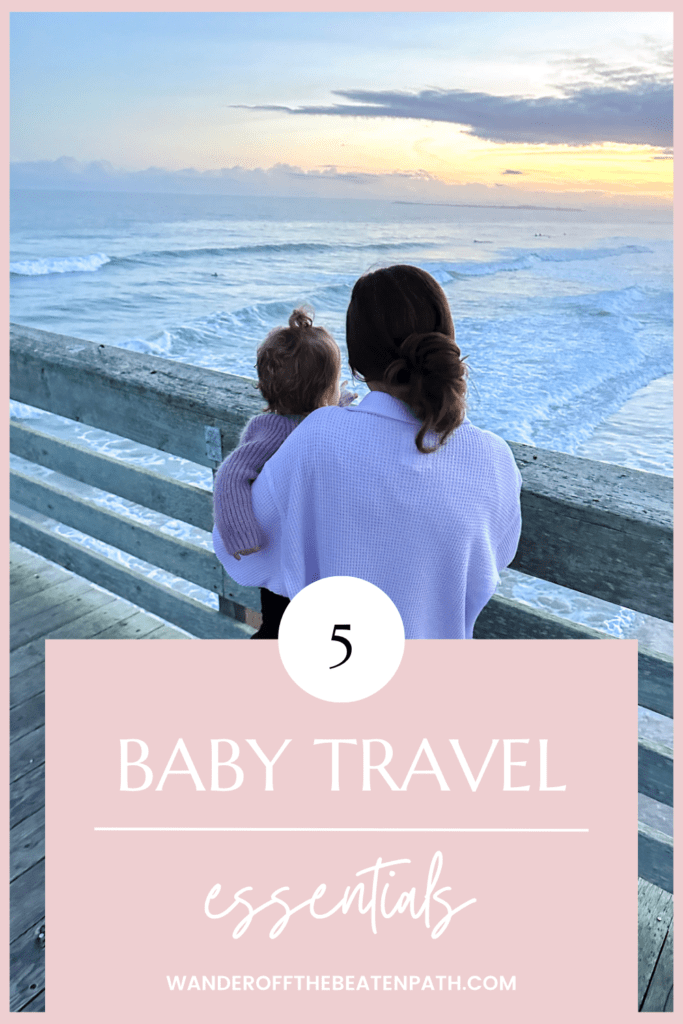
429	353
300	319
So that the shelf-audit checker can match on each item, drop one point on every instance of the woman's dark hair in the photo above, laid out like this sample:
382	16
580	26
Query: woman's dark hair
399	332
297	366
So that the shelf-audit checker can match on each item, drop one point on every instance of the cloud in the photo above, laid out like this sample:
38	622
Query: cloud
585	72
330	182
512	172
621	107
280	179
331	173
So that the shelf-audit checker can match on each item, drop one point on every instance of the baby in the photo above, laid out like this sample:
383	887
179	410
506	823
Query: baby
298	371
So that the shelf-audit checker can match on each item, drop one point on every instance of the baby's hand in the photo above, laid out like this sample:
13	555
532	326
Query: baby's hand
251	551
346	397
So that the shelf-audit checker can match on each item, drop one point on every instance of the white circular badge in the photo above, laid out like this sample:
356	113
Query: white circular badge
341	639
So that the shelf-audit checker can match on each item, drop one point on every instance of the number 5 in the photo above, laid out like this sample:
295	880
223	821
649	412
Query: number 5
342	640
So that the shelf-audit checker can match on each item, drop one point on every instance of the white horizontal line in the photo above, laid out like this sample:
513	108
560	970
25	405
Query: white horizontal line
173	828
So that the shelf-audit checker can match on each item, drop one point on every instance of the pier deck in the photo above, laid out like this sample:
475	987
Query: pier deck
46	601
49	602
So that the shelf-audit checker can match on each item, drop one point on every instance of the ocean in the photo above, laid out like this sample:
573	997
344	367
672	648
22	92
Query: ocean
565	315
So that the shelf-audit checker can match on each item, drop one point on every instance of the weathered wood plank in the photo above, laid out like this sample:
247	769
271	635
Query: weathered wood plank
655	682
184	559
655	771
27	900
174	498
597	528
27	843
179	557
26	684
655	857
56	594
660	994
21	559
37	1005
26	752
27	971
157	402
47	621
655	814
134	627
25	657
27	794
72	603
505	619
167	633
190	615
118	620
655	914
25	582
27	716
93	623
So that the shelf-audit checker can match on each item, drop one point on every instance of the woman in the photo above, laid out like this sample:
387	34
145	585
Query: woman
400	490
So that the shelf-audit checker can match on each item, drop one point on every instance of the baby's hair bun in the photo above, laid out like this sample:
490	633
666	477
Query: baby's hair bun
297	366
300	319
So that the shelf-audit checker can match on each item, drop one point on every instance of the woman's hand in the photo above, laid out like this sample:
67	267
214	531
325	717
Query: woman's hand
250	551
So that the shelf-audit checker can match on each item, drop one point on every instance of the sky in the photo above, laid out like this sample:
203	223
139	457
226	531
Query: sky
460	107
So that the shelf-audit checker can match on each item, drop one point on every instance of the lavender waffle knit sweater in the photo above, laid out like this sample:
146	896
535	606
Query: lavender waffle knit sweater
232	509
350	495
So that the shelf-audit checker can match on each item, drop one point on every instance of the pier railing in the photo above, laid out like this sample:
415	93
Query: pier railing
600	529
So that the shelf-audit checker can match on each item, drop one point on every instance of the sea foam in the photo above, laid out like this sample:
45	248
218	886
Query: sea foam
59	265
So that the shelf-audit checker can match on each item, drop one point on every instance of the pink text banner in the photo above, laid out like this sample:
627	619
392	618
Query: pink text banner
460	845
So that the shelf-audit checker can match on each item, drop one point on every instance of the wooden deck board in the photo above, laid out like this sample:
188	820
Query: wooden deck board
660	994
85	627
47	602
26	657
45	621
27	716
58	593
138	626
27	971
36	1005
27	795
27	843
46	607
27	683
165	633
25	753
27	582
655	919
27	900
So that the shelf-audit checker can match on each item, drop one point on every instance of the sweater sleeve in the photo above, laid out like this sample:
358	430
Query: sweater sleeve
283	502
233	514
264	567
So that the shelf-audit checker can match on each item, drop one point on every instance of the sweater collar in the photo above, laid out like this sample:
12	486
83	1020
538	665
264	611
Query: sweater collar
378	403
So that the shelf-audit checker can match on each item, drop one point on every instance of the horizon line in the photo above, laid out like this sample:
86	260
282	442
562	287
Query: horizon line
617	203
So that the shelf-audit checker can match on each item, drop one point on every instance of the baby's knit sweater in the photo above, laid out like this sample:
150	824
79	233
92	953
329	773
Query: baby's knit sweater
232	509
